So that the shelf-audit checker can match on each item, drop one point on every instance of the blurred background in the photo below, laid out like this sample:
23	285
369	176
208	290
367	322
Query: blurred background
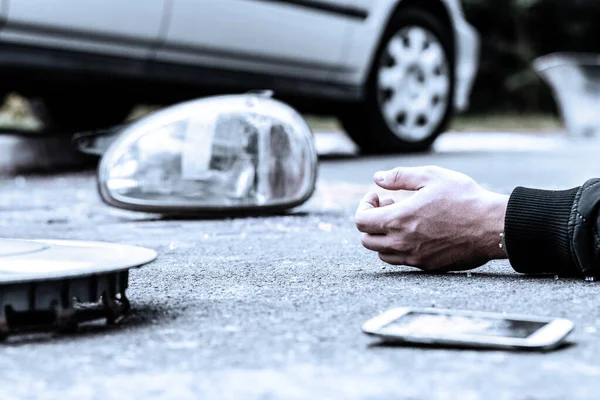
513	33
507	94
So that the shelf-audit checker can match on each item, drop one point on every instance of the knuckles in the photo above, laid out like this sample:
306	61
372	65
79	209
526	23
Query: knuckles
361	223
371	225
365	240
400	245
396	175
411	228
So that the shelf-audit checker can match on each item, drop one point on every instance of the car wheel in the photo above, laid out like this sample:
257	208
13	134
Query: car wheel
410	89
74	113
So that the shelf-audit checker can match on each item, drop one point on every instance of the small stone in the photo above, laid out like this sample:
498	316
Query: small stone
590	329
469	274
172	246
325	227
57	221
556	277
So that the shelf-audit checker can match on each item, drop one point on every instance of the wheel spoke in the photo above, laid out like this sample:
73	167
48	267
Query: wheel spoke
422	106
396	49
395	106
390	78
417	39
410	123
432	58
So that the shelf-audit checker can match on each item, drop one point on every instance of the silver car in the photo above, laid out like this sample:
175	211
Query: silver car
393	71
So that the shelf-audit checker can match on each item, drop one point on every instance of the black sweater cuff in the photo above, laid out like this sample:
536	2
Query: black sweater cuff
536	231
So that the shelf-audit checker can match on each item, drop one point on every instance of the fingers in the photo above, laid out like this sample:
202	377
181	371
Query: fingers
388	251
370	217
398	259
368	202
386	202
409	178
383	243
377	243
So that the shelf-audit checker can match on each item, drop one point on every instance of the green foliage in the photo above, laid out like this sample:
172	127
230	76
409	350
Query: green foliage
513	34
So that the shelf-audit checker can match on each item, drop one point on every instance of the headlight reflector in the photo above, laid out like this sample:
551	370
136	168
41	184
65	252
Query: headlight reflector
240	152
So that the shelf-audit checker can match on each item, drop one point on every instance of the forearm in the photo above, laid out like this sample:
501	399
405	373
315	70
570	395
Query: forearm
554	231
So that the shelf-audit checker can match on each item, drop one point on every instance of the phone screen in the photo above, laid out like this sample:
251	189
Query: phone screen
419	323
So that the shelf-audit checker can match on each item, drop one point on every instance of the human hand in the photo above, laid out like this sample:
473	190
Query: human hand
449	223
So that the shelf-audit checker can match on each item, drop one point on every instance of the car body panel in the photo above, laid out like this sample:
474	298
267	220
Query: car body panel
3	10
467	55
314	49
277	37
114	27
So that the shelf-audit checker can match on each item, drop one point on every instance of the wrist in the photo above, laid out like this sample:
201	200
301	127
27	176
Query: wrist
494	226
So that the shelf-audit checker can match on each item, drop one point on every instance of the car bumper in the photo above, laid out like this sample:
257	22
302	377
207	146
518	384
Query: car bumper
467	62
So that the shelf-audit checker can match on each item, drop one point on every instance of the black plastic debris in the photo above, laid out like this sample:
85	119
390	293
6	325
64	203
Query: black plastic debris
48	285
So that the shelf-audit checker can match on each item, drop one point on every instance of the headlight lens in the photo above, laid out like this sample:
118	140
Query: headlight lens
223	153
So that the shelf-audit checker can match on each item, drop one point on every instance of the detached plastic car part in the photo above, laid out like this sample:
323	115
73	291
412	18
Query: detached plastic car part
575	82
48	285
226	154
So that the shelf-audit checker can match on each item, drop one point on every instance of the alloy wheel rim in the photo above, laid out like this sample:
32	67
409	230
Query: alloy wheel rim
413	83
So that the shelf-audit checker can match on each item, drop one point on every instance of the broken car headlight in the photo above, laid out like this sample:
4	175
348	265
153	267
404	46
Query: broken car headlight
239	152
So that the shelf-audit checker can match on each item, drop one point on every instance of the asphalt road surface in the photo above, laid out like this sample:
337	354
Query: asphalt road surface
271	308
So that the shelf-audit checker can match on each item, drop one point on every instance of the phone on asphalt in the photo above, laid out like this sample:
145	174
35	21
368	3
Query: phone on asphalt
459	328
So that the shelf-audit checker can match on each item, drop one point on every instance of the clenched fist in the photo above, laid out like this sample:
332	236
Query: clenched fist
449	223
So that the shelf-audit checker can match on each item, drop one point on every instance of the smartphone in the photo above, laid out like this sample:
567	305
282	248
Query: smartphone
442	327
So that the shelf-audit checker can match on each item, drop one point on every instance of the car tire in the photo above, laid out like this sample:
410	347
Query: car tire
410	90
75	113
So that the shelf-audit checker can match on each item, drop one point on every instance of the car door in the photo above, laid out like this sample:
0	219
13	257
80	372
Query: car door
299	38
3	10
116	27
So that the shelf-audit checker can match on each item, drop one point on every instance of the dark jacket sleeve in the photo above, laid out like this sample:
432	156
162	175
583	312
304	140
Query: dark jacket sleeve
550	231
